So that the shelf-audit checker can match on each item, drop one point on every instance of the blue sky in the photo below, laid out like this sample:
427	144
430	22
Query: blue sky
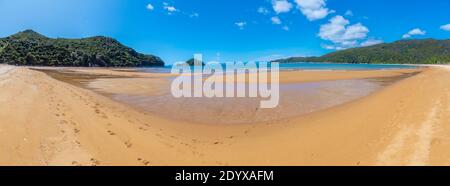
228	30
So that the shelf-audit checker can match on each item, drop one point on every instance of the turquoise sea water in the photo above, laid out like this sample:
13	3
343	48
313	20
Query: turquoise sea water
337	66
309	66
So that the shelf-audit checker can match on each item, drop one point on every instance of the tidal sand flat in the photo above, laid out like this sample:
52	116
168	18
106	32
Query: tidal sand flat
153	95
404	123
295	99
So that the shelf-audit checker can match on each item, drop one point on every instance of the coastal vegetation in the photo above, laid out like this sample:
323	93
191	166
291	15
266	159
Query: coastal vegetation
33	49
426	51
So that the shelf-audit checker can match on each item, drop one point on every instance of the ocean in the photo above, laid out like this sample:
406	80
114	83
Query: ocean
308	66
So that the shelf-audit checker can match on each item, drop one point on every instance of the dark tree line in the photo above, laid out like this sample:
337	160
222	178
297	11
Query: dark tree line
34	49
428	51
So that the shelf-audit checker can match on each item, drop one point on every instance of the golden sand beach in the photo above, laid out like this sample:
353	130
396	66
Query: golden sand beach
46	120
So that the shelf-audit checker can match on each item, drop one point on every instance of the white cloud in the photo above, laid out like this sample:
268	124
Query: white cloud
349	13
193	15
371	42
241	24
446	27
281	6
329	47
150	7
314	9
333	47
285	28
170	9
341	34
413	32
275	20
263	10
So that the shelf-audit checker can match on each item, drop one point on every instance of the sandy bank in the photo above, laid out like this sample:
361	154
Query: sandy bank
49	122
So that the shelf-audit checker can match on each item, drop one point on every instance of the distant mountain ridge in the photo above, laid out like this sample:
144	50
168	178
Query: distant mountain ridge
426	51
33	49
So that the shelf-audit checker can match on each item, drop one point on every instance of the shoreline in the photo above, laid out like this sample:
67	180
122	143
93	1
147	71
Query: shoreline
152	95
285	75
98	131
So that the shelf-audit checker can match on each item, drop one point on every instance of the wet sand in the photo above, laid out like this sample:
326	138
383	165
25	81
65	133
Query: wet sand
50	122
153	95
296	99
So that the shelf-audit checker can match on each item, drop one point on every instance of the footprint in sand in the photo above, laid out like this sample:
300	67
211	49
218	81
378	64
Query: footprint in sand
144	162
75	163
111	133
76	131
142	128
128	144
95	162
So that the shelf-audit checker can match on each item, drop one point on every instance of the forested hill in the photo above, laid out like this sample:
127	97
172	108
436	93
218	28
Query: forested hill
31	48
427	51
